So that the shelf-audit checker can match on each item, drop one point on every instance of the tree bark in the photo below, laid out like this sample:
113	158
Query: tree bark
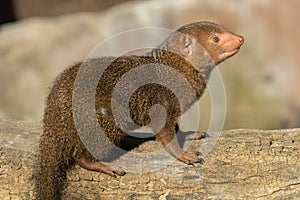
242	164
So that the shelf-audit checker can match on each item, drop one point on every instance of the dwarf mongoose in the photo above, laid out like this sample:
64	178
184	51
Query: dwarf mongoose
193	51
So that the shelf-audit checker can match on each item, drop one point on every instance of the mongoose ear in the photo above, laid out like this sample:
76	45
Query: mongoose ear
186	43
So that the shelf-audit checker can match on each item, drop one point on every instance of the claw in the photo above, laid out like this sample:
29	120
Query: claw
197	136
204	135
200	160
190	163
123	173
199	154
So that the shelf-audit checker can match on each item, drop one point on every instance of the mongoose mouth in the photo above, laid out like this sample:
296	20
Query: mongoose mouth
231	53
228	54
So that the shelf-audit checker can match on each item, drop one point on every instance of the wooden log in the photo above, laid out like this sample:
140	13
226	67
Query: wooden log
242	164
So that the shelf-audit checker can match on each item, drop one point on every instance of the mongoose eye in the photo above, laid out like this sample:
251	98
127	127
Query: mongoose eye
216	39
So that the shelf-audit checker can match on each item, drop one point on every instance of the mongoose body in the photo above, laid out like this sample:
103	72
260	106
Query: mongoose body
61	147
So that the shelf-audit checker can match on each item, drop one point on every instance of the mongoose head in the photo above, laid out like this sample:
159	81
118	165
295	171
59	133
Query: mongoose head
202	41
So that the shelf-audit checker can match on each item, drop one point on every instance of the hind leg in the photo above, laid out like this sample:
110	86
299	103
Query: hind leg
103	167
195	135
191	135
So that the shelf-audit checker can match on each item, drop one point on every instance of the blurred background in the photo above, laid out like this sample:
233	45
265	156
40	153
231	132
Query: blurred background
40	38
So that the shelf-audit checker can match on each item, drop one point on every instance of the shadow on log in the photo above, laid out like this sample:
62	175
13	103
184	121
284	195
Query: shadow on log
242	164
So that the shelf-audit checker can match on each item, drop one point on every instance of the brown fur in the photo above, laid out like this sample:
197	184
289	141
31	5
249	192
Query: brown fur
61	147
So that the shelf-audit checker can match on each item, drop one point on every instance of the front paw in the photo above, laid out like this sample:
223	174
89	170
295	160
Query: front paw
191	158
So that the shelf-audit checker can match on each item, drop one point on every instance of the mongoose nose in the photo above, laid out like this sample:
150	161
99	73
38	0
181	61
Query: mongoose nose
241	39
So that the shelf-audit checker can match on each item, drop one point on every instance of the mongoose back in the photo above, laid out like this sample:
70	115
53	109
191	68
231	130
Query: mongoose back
193	50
